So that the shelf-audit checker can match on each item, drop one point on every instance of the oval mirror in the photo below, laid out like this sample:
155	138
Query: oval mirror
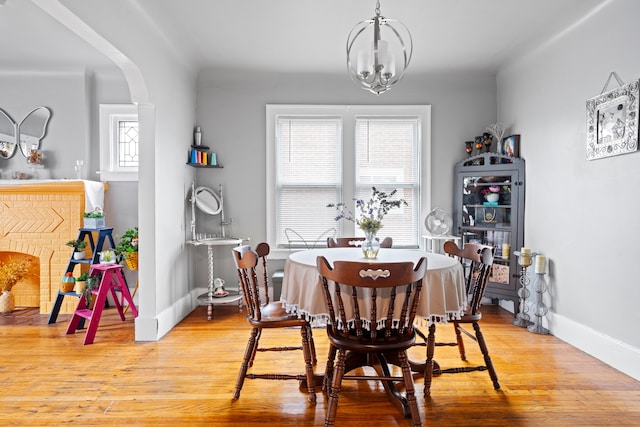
32	129
208	201
7	136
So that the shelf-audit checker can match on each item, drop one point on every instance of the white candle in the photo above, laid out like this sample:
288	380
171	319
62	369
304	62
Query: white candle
505	250
525	257
541	263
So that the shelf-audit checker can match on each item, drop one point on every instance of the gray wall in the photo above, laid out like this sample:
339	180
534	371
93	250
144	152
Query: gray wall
231	112
581	214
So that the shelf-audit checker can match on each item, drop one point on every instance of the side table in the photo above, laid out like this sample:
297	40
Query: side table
210	300
434	244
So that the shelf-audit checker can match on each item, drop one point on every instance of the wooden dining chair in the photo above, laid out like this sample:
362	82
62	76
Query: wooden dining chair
264	314
371	309
352	242
479	259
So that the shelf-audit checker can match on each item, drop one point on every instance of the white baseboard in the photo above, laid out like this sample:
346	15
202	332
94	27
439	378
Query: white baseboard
611	351
152	329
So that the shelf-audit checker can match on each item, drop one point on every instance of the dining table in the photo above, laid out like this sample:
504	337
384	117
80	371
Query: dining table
443	295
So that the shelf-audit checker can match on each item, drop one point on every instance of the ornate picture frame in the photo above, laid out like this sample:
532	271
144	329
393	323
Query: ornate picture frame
612	122
510	146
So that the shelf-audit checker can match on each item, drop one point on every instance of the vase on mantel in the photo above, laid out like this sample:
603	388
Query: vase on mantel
370	245
7	302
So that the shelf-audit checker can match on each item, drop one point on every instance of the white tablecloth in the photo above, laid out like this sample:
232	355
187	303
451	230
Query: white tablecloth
443	298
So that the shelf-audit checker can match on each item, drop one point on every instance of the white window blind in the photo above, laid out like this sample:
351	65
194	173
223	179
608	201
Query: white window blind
309	159
388	158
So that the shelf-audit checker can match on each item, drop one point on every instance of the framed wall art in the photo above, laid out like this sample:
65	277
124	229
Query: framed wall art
510	146
612	121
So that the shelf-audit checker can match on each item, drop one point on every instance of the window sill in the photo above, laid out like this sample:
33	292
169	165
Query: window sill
118	176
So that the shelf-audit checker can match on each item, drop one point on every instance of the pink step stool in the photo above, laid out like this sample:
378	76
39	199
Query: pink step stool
112	281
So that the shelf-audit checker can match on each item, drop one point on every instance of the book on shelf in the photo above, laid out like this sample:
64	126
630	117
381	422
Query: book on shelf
200	157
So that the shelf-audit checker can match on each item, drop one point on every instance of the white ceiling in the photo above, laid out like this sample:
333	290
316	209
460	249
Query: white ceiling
299	35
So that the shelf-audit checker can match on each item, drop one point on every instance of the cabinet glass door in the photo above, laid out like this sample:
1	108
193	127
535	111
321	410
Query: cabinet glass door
486	218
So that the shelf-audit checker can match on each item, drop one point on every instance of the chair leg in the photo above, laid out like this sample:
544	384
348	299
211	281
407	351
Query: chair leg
306	350
312	344
456	328
410	393
487	358
255	347
248	354
328	372
428	370
336	383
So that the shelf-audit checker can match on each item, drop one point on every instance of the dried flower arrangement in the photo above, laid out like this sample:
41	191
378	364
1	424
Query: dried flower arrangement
12	271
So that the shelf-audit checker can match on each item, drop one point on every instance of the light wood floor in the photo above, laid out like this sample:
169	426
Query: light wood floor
51	379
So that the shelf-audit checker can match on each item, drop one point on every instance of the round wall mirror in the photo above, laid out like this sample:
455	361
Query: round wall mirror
208	201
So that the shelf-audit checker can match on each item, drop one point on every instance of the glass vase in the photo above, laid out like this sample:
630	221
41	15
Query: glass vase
370	245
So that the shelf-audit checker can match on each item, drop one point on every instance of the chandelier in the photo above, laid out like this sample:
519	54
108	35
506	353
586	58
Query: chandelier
378	52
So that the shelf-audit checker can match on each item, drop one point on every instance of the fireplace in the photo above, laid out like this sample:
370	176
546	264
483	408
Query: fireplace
37	218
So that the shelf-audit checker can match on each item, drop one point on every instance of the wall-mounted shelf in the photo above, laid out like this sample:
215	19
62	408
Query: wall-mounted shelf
198	151
198	165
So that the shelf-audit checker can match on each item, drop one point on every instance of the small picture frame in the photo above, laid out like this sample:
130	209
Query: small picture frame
612	122
510	146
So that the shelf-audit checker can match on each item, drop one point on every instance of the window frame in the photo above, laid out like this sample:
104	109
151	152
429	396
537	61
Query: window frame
348	174
110	115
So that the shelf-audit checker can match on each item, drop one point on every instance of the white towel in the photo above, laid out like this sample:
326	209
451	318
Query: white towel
93	195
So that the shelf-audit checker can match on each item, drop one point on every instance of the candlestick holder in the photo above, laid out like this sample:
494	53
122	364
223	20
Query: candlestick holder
488	139
479	144
468	146
522	318
539	308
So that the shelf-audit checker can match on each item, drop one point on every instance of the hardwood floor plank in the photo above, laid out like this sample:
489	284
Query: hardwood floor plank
187	378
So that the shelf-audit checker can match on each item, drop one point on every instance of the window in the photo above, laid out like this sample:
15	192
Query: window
322	154
119	142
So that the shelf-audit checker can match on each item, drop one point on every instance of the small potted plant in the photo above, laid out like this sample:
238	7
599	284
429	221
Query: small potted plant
68	282
107	257
81	282
93	282
94	219
127	248
78	246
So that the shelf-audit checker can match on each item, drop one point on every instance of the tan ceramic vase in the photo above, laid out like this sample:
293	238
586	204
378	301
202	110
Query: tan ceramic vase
7	302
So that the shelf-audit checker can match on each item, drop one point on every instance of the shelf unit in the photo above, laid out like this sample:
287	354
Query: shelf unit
204	149
493	223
